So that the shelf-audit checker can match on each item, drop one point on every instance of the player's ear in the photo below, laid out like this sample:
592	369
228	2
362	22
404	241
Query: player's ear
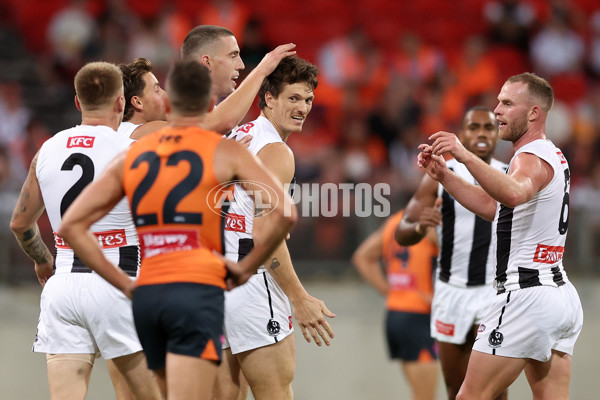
269	100
167	105
77	104
206	61
137	103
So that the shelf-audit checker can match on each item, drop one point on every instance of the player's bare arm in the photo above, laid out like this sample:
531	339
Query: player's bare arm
28	210
233	161
419	213
234	108
529	174
94	202
367	260
472	197
308	311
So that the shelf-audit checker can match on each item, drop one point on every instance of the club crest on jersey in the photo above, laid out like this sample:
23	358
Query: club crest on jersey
80	141
273	327
481	328
235	222
548	254
495	339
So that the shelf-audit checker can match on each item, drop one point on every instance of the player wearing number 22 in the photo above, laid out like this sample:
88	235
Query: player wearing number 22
80	313
174	181
536	316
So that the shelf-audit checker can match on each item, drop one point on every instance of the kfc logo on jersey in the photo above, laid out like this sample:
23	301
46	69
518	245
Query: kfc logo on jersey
80	141
235	222
548	254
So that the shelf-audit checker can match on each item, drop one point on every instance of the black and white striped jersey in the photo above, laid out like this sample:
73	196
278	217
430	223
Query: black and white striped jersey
531	237
240	215
466	256
66	164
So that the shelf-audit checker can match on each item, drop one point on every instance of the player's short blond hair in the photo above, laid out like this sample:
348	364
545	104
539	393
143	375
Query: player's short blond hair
97	84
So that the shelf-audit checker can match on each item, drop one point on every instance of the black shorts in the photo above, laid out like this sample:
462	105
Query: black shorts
408	336
180	318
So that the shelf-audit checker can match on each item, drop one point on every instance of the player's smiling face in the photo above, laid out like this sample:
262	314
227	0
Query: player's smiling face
289	110
479	133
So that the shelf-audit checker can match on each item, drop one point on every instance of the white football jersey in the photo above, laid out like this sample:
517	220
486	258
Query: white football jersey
240	213
466	256
66	164
531	237
127	128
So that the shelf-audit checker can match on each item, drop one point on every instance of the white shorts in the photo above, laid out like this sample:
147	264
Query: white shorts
455	310
82	313
530	323
257	314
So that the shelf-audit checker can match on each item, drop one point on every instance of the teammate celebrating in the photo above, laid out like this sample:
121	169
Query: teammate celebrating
258	315
463	286
173	180
81	314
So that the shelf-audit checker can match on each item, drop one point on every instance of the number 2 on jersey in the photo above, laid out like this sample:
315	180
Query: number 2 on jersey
87	176
182	189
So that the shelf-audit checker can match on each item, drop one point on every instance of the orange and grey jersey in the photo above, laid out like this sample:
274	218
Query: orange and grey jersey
66	164
409	271
532	236
240	214
466	256
169	180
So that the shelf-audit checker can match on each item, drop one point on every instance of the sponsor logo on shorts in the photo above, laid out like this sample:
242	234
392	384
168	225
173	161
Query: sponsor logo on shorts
548	254
106	239
444	329
495	339
481	328
290	319
80	141
273	327
162	242
235	222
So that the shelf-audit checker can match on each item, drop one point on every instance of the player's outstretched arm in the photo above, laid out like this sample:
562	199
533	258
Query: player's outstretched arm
234	108
94	202
28	210
367	260
474	198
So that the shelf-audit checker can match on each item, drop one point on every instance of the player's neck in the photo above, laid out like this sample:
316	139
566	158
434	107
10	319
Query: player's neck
283	134
178	121
535	132
97	119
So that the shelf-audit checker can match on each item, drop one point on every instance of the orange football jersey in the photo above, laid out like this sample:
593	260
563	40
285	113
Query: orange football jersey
409	271
174	196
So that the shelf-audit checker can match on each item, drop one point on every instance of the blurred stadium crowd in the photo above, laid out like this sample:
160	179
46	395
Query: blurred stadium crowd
392	73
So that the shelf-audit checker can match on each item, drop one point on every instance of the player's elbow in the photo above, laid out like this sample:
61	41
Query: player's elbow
289	216
67	230
18	226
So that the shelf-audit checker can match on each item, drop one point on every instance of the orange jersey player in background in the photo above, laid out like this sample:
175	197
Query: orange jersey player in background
408	287
174	179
